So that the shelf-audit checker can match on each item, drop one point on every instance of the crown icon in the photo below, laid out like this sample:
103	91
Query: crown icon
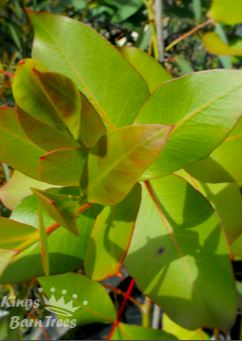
60	306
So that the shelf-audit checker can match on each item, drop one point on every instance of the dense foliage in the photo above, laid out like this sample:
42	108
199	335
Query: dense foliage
118	175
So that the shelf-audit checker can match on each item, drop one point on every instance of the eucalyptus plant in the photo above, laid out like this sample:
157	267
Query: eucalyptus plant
118	166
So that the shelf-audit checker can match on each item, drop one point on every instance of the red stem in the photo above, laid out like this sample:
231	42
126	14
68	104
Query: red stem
121	309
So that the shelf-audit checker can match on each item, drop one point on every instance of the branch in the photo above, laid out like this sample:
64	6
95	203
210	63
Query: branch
189	33
159	28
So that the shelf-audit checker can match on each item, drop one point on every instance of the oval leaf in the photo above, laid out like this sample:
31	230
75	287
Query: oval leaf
85	62
207	106
119	159
181	260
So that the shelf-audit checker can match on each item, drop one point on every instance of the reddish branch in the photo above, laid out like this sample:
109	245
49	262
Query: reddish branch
50	229
6	73
189	33
121	309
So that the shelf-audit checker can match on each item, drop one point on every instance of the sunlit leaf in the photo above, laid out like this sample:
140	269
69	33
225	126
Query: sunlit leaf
224	164
204	106
133	332
179	256
226	11
119	159
72	48
62	166
66	251
215	45
153	73
17	188
93	302
13	233
51	98
18	152
182	333
111	236
62	208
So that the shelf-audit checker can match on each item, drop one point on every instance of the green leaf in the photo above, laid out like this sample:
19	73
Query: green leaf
51	98
197	9
6	257
118	160
133	332
181	260
53	46
43	244
224	164
228	202
182	333
62	208
236	248
17	188
18	152
92	126
126	8
111	236
66	251
153	73
207	105
13	233
62	166
92	299
226	11
43	135
215	45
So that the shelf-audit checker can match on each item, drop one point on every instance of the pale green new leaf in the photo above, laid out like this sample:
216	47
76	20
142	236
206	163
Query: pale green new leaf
17	188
